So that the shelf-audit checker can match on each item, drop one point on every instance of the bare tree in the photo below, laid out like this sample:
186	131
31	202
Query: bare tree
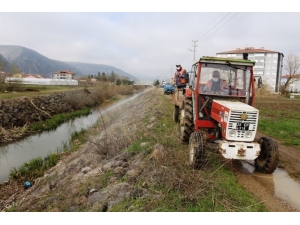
292	64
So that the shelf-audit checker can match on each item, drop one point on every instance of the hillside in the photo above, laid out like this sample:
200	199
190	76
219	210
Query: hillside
32	62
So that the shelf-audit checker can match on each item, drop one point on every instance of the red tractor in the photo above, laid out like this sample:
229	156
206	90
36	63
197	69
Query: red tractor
217	106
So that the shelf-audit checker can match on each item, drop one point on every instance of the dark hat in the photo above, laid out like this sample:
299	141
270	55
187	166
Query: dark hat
216	73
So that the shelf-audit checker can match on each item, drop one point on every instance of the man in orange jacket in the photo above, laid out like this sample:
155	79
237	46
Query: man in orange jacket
180	76
216	85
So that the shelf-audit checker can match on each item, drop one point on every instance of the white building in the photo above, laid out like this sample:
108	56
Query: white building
294	84
39	81
268	64
64	75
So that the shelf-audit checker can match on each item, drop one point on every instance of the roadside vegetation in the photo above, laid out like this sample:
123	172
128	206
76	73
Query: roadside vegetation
99	94
107	93
36	167
172	185
17	90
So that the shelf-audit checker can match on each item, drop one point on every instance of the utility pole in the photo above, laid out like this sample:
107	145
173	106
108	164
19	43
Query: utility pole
194	48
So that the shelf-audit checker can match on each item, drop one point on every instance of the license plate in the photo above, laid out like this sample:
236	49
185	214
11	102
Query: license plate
242	126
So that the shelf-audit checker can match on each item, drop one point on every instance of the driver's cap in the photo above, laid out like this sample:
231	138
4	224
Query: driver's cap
216	73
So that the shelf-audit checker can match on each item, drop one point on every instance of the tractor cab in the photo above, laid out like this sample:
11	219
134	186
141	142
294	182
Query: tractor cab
235	79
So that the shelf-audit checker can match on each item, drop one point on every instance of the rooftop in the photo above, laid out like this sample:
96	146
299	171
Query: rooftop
249	50
64	71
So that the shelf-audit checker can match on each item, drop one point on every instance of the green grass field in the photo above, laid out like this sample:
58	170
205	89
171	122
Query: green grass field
279	118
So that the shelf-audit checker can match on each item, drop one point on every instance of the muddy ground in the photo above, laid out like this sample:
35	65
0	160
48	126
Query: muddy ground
61	188
261	186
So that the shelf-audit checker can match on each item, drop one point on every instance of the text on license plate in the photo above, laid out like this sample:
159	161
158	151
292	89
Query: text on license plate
242	126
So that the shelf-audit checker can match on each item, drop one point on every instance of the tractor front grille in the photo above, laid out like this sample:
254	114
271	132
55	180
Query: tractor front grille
241	126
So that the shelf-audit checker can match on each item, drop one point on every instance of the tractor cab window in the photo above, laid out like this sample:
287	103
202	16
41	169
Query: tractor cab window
218	79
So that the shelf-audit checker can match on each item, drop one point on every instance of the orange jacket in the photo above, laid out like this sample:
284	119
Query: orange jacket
223	86
179	77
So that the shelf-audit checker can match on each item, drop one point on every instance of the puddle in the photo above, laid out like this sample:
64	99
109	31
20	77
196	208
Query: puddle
283	185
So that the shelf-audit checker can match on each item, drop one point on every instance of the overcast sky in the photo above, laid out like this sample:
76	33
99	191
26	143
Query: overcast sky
143	41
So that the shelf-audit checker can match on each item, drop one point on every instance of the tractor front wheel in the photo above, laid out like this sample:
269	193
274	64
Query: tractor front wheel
268	158
196	150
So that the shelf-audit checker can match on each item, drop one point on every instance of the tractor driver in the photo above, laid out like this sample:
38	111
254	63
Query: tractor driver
216	85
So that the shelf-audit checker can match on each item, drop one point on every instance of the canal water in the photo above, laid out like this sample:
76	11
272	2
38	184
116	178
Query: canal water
40	145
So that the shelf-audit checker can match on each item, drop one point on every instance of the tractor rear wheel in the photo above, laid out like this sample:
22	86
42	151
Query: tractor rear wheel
176	113
186	124
196	150
268	158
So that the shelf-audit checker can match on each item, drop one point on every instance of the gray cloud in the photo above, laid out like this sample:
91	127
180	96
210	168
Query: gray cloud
147	45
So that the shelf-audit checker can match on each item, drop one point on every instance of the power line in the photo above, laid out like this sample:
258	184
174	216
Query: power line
215	25
219	27
185	54
208	24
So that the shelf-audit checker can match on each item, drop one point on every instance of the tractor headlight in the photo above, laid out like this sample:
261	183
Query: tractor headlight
232	133
248	134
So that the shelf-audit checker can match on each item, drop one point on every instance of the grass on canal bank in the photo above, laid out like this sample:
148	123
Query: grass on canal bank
35	167
172	185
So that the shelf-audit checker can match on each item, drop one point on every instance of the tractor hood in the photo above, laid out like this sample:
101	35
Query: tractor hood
238	120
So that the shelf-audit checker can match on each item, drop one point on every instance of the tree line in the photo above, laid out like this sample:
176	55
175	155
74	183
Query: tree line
112	77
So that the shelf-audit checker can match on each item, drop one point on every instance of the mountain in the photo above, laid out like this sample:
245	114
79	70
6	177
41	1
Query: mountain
31	62
4	64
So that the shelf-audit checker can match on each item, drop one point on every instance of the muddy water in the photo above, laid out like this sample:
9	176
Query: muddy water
283	186
40	145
